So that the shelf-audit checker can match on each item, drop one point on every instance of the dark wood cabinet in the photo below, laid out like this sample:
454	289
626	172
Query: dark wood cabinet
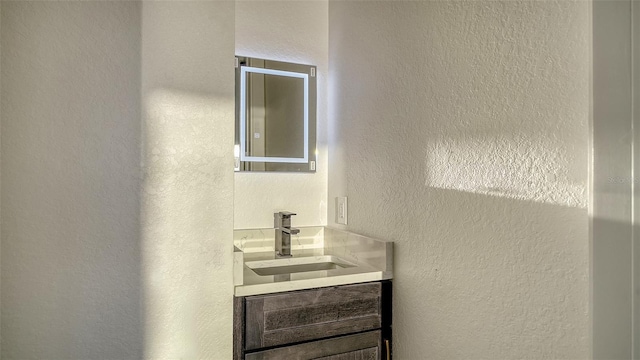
365	346
348	322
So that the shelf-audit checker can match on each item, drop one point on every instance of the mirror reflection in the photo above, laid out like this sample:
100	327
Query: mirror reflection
275	116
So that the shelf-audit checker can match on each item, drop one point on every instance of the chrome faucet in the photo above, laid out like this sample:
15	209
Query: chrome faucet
282	224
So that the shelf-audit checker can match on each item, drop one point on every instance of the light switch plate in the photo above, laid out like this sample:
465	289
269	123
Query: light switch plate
341	210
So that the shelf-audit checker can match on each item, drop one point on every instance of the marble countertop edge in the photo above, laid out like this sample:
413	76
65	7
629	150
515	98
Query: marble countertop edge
278	287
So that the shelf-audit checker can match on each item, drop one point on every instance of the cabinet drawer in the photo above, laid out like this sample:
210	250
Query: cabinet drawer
286	318
364	346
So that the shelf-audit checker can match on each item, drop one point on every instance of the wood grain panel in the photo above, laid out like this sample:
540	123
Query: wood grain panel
311	314
238	328
254	325
319	331
335	311
345	346
320	296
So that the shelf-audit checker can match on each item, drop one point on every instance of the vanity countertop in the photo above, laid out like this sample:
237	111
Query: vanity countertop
372	259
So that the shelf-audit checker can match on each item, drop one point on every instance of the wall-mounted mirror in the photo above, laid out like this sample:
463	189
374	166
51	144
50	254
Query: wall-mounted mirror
275	116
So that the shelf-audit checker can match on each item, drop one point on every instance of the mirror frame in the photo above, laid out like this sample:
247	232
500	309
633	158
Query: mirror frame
244	162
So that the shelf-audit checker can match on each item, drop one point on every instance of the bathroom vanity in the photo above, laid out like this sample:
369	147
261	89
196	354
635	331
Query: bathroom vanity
330	300
309	292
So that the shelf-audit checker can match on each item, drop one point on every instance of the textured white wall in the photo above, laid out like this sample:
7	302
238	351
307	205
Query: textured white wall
187	195
117	178
460	131
293	31
70	97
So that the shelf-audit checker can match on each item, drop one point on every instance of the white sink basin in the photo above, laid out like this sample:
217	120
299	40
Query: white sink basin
296	265
322	256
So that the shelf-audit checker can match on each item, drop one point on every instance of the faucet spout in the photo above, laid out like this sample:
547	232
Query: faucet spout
291	231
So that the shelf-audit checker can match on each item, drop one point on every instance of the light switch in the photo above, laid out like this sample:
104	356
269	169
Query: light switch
341	210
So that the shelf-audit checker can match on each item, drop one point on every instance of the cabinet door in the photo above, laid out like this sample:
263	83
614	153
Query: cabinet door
280	319
364	346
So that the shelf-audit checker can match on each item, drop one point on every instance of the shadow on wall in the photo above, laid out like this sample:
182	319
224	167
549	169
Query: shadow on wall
104	256
71	137
483	276
464	140
491	230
